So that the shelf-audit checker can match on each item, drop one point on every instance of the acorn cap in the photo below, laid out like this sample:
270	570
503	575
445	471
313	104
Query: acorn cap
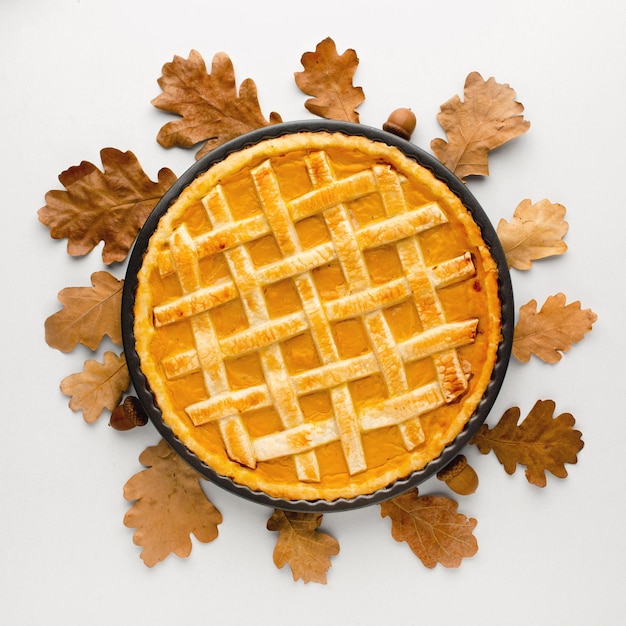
128	414
459	476
401	123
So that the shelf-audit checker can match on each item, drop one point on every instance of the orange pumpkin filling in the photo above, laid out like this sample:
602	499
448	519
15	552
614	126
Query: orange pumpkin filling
317	316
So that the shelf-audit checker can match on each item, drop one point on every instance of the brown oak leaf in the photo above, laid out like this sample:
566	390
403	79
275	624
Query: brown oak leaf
535	232
432	528
301	545
88	314
99	386
109	205
551	331
487	118
328	76
169	505
541	442
210	108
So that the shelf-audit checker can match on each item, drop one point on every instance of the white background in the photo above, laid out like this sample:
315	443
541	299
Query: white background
77	76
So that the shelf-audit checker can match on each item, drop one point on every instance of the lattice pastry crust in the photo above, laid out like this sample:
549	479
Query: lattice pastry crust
317	316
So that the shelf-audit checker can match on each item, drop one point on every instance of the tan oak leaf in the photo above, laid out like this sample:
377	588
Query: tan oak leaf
432	527
535	232
210	108
328	77
109	205
169	506
98	387
487	118
541	442
552	330
301	545
88	314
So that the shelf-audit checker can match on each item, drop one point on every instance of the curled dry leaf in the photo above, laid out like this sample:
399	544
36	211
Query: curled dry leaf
432	528
328	76
88	314
551	331
535	232
301	545
169	506
210	108
109	205
487	118
99	386
541	442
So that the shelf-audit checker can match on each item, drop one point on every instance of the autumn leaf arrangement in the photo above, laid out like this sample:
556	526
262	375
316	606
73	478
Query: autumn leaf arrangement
168	500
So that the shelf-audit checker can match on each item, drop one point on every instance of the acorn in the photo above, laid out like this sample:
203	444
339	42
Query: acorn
459	476
401	122
128	414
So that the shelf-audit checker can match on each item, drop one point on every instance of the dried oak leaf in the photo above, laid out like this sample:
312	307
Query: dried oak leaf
301	545
169	505
541	442
211	110
99	386
432	528
535	232
551	331
88	314
109	205
487	118
327	76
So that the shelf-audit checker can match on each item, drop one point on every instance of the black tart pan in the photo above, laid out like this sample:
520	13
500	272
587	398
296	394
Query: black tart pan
505	293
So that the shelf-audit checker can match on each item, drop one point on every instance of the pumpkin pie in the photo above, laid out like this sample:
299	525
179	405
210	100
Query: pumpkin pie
317	316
